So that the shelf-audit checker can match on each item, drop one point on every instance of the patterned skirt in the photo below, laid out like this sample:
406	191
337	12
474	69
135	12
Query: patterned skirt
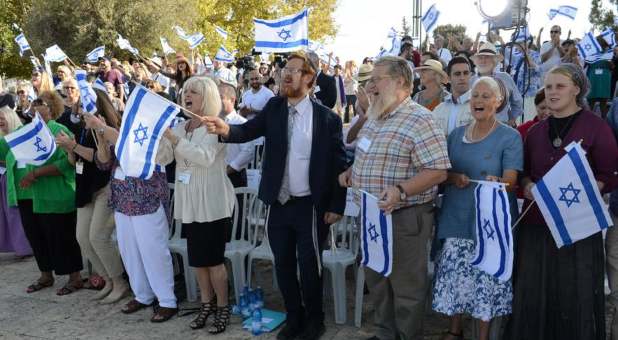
462	288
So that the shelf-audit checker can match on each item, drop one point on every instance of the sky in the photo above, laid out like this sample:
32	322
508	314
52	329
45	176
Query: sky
364	24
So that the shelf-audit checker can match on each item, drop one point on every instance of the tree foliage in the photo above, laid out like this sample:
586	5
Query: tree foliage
456	31
602	18
405	26
11	65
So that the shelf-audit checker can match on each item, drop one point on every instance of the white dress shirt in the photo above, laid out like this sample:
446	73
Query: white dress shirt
238	155
257	100
299	153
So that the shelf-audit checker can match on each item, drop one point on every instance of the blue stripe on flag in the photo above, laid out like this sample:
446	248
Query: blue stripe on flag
506	213
26	136
274	44
282	23
385	240
496	226
130	118
365	245
588	188
478	226
155	135
554	211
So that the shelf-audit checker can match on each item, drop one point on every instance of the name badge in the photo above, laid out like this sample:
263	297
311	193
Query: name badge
316	89
598	71
119	174
79	167
184	177
364	144
2	170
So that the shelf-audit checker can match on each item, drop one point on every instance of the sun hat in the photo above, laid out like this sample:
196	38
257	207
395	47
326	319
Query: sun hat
435	66
364	72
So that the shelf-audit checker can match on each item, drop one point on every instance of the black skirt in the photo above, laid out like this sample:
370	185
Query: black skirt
558	293
206	242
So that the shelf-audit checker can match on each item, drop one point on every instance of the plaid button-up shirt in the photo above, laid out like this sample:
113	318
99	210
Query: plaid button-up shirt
395	148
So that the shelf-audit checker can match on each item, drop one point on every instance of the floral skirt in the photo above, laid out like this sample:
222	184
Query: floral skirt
462	288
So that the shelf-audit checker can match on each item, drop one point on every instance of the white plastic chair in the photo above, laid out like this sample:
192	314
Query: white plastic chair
341	255
179	246
261	251
238	248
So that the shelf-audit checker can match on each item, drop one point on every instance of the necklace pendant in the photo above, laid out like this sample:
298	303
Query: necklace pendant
557	142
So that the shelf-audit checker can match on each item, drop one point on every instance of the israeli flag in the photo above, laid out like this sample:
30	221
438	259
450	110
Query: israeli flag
286	34
55	54
87	95
95	54
521	35
394	42
167	49
126	45
569	199
430	18
568	11
22	43
98	84
224	56
207	62
609	55
494	239
33	143
589	46
609	36
552	13
146	117
195	39
221	32
376	236
180	32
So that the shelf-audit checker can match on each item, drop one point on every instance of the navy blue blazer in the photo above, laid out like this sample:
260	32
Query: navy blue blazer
327	160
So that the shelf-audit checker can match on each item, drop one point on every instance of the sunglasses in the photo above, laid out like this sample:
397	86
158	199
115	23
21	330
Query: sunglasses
554	32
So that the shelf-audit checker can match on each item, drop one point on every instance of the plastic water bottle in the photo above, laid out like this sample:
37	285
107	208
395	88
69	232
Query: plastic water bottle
253	300
259	294
244	306
256	322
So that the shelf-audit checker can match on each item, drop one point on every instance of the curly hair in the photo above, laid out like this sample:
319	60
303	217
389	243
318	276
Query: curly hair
54	102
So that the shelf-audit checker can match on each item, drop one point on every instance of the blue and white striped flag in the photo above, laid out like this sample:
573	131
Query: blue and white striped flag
221	32
494	238
195	39
181	32
95	54
33	143
430	18
589	46
285	34
98	84
567	11
609	55
552	13
22	43
395	43
126	45
54	54
87	95
609	36
224	55
167	49
521	35
569	199
146	117
207	62
376	236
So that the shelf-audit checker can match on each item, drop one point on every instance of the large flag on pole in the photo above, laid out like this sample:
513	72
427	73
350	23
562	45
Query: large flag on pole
95	54
570	200
167	49
286	34
54	54
33	143
567	11
146	117
22	43
376	236
430	18
494	239
87	95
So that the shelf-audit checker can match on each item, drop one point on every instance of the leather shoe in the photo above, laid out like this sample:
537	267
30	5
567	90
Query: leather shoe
290	331
313	331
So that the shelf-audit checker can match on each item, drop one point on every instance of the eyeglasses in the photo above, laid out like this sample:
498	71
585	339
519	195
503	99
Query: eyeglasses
69	88
552	32
377	79
286	70
37	103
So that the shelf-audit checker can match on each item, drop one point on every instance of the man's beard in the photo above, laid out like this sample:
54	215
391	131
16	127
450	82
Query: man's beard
386	98
256	86
290	91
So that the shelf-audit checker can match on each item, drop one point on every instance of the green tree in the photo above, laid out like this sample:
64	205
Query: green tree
456	31
11	65
405	27
602	18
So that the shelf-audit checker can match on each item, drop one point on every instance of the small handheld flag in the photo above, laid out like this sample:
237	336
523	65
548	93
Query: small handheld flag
22	43
589	46
224	55
87	95
195	39
221	32
33	143
55	54
94	55
430	18
567	11
167	49
376	236
126	45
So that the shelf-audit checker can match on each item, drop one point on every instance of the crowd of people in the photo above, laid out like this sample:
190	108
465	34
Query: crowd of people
415	130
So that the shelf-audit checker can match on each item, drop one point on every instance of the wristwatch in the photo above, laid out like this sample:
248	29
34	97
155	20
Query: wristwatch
402	193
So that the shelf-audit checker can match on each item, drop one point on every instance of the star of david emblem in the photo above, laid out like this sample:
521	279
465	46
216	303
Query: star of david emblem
141	134
430	16
284	34
373	234
588	47
38	145
574	197
488	229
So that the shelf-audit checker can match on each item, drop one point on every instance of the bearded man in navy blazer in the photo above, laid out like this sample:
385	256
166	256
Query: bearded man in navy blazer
303	155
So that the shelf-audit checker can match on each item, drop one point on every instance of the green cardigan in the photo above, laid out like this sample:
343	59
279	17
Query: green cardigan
49	194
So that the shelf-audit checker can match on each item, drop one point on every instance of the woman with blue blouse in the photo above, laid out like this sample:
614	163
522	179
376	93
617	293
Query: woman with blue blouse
483	150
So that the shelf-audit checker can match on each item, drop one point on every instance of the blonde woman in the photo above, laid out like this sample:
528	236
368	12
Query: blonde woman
41	81
12	237
200	170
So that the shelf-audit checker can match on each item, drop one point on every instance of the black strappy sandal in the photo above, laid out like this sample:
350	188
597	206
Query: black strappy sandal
222	319
206	310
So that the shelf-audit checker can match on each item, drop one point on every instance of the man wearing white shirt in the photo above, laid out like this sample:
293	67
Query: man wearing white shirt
552	51
254	99
443	53
454	111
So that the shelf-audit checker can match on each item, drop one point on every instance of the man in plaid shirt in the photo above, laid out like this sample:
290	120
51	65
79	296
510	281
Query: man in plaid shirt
401	157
